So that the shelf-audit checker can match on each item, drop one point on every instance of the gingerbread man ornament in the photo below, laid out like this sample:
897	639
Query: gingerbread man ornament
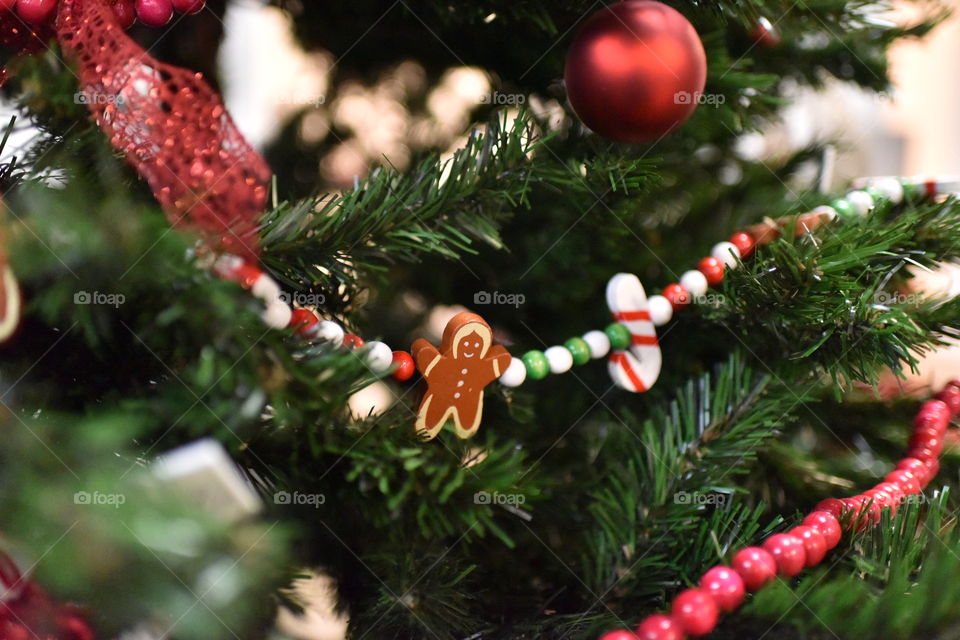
456	375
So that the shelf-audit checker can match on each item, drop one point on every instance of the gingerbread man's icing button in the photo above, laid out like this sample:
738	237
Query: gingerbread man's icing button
457	374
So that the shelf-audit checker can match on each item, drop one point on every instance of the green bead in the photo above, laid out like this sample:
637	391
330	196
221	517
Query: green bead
619	336
912	191
536	364
579	349
843	208
877	195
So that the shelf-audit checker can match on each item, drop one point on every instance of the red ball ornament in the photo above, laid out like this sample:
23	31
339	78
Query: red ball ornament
36	11
404	364
351	341
906	480
635	71
618	635
725	586
833	506
659	627
188	6
713	270
695	611
154	13
765	34
827	525
755	565
303	320
787	552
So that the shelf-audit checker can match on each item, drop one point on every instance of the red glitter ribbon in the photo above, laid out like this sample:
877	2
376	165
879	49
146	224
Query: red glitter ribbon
171	126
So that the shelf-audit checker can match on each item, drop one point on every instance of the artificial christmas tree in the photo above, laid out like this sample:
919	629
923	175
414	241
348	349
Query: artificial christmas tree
650	496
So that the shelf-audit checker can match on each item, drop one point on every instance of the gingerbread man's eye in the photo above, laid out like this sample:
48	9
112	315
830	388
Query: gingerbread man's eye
476	344
466	343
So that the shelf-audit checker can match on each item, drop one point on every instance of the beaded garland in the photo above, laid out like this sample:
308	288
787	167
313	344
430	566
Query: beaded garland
695	611
153	13
617	337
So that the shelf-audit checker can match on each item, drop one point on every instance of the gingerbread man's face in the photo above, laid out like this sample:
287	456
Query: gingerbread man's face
471	346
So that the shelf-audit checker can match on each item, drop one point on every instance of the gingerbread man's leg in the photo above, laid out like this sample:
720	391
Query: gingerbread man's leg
470	414
432	416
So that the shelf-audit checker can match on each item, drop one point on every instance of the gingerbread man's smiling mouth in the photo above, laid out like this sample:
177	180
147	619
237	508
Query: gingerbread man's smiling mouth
468	355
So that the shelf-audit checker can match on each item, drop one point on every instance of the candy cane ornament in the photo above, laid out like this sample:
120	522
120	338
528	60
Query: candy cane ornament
637	367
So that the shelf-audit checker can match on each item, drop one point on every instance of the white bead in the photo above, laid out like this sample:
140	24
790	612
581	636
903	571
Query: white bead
266	288
515	374
890	187
598	342
328	331
379	356
277	314
861	201
559	358
227	264
727	253
826	210
694	282
660	310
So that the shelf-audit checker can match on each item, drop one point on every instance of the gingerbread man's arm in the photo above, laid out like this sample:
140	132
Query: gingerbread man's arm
499	360
425	355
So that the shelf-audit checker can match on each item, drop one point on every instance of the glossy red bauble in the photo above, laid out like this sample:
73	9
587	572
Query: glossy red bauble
404	364
659	627
36	11
828	526
635	70
678	296
787	552
744	243
303	320
725	586
814	544
755	565
695	612
713	270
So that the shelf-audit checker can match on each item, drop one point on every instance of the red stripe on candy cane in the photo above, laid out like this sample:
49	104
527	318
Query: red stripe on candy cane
620	358
645	340
931	187
627	316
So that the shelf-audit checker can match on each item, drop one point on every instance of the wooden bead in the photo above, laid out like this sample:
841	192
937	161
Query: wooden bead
860	201
579	349
787	552
843	208
744	243
277	314
619	336
379	356
725	586
599	343
712	269
516	373
351	341
678	296
661	311
695	612
559	358
755	565
303	320
404	367
329	331
536	365
694	282
727	253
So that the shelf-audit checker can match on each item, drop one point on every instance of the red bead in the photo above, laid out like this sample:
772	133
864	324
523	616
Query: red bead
713	270
916	467
744	242
906	480
755	565
695	612
814	544
618	635
923	440
154	13
833	506
404	366
659	627
351	341
950	395
923	454
36	11
725	586
125	13
788	553
934	468
936	407
246	274
678	295
303	320
188	6
828	526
